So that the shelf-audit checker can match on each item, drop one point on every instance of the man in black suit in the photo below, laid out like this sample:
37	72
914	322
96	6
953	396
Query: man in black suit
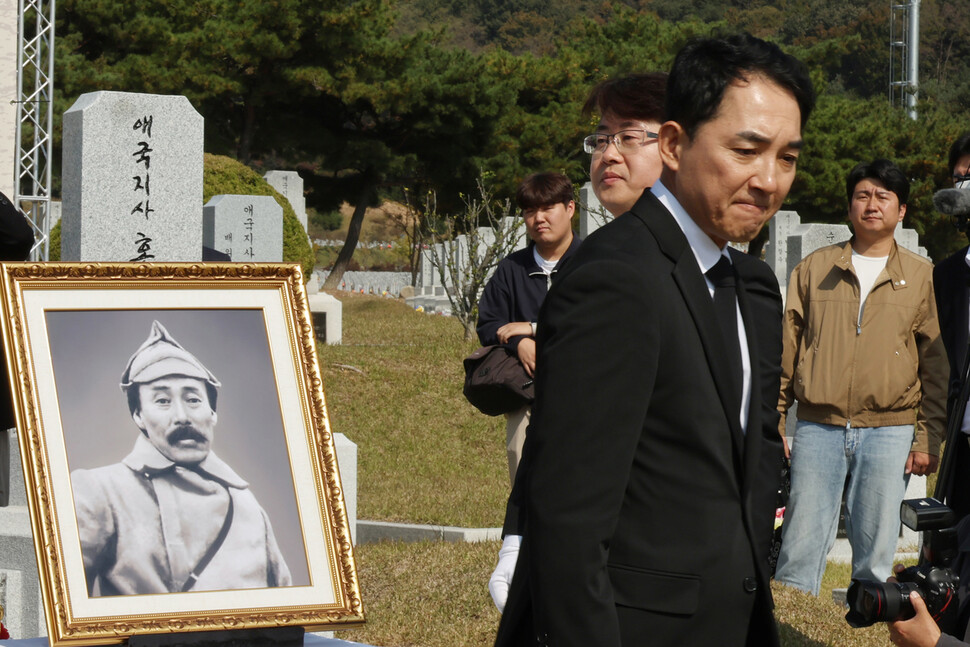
951	282
653	455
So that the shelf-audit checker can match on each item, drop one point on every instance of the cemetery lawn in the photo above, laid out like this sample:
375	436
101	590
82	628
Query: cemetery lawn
434	595
426	456
394	387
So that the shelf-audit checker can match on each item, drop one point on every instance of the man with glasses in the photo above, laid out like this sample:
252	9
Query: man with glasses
624	160
645	476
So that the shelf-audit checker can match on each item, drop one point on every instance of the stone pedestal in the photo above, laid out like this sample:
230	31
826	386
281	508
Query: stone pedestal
327	313
347	464
270	637
19	582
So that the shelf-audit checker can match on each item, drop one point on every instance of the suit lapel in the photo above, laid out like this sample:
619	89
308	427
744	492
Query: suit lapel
963	309
752	446
693	287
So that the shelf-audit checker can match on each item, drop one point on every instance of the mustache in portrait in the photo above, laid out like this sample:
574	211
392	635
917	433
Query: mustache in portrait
186	432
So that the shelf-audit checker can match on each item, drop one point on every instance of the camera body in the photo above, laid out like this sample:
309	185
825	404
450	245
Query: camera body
871	602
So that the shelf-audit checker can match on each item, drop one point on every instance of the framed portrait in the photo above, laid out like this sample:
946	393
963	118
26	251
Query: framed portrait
180	468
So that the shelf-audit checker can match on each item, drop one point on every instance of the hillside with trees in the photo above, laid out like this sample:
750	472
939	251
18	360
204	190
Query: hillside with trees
367	98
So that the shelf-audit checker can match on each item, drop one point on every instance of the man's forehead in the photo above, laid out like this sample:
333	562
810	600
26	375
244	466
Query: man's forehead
758	99
618	122
870	184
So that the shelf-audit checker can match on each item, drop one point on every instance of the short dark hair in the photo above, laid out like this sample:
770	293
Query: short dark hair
134	398
543	190
960	148
704	68
634	96
883	170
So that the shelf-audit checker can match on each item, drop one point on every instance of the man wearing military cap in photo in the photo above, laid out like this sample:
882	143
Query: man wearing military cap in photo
172	516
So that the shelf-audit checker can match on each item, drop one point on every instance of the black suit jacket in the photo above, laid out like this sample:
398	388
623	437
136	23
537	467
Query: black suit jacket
646	510
16	239
951	284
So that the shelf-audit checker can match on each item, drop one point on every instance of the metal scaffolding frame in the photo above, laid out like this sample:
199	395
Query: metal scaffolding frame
35	119
904	55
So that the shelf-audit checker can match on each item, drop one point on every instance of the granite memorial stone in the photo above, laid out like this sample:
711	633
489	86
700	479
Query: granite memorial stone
248	228
290	184
132	179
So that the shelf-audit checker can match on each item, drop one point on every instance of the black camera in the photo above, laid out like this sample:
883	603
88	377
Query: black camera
871	602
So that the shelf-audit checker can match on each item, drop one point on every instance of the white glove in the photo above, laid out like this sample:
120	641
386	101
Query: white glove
498	584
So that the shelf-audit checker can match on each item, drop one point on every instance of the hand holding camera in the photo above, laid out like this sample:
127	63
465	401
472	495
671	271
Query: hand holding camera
920	630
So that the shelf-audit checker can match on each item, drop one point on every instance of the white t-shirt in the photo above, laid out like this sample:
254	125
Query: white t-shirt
867	268
546	266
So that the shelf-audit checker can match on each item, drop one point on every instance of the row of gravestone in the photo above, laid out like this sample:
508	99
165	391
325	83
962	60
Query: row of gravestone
381	283
439	262
789	240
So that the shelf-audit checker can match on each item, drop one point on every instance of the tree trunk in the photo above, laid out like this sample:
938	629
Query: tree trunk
353	235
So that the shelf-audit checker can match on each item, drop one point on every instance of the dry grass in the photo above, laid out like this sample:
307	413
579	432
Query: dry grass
424	454
435	595
426	595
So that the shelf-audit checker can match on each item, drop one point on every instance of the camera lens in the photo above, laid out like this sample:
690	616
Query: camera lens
872	602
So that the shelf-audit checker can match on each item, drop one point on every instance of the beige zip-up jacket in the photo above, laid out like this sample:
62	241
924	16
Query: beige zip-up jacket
887	368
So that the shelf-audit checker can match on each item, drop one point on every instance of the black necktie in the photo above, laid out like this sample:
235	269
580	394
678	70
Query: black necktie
725	305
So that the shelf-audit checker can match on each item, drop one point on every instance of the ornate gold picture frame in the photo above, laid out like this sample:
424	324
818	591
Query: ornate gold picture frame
71	331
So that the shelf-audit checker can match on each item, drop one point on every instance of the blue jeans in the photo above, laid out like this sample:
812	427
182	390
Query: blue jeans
822	455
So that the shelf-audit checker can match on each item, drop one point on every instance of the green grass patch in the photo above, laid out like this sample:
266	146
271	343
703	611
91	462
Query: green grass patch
394	387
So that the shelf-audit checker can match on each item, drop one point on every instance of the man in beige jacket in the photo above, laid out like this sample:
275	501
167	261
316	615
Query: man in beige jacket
864	359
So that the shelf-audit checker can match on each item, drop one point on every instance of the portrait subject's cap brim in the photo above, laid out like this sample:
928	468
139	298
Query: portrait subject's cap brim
161	355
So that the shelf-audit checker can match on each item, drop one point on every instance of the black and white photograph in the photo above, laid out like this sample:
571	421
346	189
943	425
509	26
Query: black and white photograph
183	475
190	454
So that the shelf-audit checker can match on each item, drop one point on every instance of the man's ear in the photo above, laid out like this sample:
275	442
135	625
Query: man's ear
672	139
136	416
902	212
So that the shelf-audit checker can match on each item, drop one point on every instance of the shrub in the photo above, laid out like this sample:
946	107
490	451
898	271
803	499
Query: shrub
328	221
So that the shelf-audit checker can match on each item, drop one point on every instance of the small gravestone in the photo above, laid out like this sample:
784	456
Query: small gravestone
248	228
132	180
290	184
592	214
